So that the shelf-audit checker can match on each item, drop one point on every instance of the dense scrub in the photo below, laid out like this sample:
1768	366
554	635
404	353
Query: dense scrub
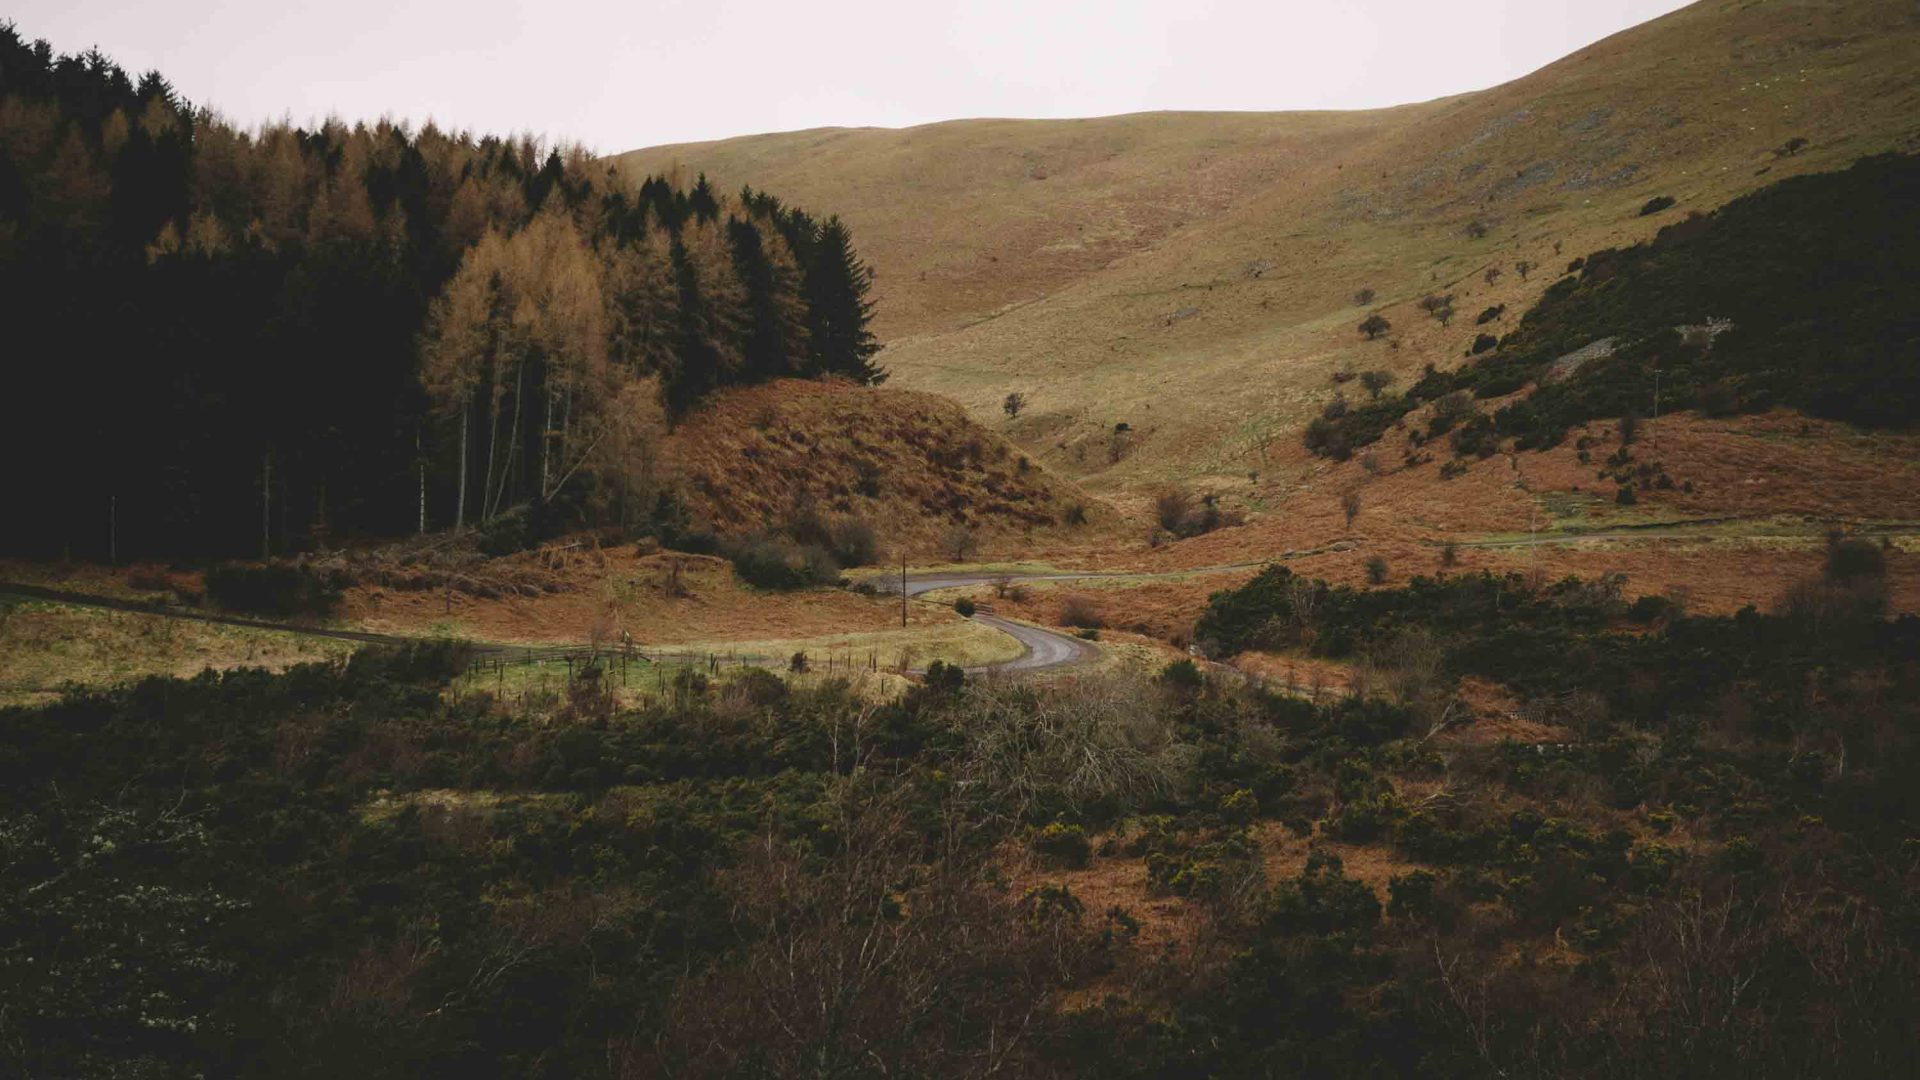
361	868
1792	296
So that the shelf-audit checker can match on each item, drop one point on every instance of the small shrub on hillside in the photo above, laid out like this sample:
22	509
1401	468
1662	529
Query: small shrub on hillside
1239	807
1478	437
1362	298
778	565
1483	343
1414	897
1490	314
1854	559
1209	870
1182	675
853	543
943	678
1046	906
964	608
1078	611
1449	411
274	589
1655	205
1060	844
1374	325
1177	514
1376	381
1376	570
961	542
1323	901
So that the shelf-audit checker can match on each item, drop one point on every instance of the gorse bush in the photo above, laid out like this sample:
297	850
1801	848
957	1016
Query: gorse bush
274	588
780	565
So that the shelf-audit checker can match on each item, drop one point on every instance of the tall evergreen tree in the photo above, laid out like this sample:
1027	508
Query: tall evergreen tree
766	350
839	342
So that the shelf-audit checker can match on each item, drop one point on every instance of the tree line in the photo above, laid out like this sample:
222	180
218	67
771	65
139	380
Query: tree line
227	341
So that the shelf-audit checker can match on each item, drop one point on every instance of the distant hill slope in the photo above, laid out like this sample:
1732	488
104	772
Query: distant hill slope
1193	275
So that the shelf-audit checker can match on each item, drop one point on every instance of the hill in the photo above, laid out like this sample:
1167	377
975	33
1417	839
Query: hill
1194	276
914	465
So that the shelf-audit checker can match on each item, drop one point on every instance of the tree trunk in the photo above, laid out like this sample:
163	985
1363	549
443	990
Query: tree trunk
460	507
513	441
266	504
493	446
421	463
546	437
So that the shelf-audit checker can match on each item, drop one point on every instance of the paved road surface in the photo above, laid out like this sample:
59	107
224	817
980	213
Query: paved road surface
1043	648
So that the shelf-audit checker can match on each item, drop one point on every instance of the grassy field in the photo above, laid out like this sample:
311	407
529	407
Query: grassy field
46	649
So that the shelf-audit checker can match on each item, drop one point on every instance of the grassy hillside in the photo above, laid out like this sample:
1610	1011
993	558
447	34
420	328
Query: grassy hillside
1194	275
1792	296
912	464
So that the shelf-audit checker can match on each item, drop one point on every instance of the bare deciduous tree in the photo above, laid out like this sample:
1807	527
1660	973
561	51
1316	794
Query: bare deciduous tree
961	541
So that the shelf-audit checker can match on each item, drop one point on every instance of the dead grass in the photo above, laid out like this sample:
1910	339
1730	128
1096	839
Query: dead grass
1310	676
913	464
47	648
659	599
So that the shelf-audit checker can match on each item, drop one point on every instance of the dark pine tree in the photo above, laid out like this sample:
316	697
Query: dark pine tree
696	370
839	342
705	207
764	349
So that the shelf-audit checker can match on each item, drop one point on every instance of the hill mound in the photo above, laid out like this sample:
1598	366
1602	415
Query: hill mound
1195	276
912	464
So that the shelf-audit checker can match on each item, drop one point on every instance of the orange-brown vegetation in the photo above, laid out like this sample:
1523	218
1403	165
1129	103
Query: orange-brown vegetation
662	598
912	463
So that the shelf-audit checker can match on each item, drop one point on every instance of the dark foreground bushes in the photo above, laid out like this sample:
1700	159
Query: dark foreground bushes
378	869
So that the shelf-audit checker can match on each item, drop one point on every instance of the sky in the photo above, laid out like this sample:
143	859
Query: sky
622	74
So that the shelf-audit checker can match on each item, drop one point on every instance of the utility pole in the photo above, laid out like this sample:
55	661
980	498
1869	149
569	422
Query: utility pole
1656	407
1533	549
903	590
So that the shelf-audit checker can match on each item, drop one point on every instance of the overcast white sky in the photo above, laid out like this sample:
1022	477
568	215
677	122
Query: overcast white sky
620	74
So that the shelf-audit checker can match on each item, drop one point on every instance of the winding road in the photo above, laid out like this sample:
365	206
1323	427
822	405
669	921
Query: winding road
1042	648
